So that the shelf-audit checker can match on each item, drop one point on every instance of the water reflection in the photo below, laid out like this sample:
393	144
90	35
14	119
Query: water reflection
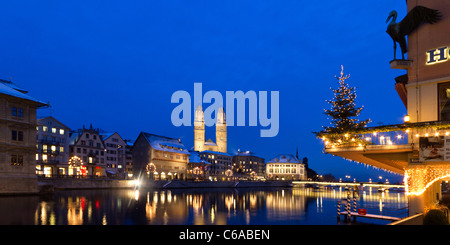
304	206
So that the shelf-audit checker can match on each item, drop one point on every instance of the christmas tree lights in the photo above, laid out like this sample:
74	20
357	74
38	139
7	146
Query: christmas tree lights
343	111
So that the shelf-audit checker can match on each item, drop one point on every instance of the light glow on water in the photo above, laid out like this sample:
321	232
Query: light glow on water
287	206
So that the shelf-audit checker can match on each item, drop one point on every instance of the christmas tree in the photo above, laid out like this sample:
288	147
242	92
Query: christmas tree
343	111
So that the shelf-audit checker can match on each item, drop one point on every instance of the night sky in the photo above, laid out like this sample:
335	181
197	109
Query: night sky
116	64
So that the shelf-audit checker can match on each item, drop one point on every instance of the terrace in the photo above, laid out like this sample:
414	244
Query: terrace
390	147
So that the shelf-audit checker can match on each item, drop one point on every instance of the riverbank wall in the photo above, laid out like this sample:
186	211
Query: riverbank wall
47	185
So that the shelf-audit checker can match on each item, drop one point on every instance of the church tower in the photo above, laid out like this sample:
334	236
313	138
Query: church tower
199	132
199	129
221	131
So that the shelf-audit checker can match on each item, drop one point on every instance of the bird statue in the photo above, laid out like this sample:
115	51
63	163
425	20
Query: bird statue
415	17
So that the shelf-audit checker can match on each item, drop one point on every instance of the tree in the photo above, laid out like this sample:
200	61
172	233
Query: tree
343	111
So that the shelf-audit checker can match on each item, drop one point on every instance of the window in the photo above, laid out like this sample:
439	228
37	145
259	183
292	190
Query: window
16	135
17	160
44	148
87	136
13	135
44	128
53	148
61	131
54	130
90	160
44	157
17	112
444	101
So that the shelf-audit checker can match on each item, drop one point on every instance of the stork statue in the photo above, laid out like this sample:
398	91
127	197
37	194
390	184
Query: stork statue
415	17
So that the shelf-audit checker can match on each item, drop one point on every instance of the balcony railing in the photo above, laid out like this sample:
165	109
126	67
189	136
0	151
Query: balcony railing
399	134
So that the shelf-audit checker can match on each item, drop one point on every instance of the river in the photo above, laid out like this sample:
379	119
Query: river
212	206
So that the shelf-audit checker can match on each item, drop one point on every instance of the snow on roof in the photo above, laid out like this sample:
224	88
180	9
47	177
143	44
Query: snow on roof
195	157
217	153
284	158
210	142
245	153
11	91
163	143
106	135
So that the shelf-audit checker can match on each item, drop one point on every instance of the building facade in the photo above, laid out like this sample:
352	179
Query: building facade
115	155
198	168
52	155
285	167
248	164
159	157
17	139
221	165
129	158
87	153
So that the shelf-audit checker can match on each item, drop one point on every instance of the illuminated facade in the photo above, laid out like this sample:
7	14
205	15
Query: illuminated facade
198	168
87	144
417	149
285	167
17	139
52	155
159	157
248	164
221	165
199	133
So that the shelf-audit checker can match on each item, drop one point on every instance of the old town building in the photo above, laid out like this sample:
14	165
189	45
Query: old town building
52	155
285	167
115	155
87	153
17	139
248	164
159	157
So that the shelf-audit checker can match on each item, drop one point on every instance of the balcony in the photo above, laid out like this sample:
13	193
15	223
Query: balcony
390	147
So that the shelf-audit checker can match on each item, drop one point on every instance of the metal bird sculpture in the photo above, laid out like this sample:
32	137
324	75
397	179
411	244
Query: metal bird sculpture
415	17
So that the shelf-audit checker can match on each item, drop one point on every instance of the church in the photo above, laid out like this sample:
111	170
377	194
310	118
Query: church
199	132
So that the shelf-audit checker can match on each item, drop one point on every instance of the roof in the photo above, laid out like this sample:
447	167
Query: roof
210	142
217	153
53	119
11	90
245	153
163	143
284	158
195	157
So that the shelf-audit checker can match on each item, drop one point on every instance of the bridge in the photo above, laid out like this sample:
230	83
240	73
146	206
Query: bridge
351	184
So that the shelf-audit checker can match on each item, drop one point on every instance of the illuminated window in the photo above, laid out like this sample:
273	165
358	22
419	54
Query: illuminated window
90	160
44	148
61	149
53	148
54	130
44	128
44	157
61	131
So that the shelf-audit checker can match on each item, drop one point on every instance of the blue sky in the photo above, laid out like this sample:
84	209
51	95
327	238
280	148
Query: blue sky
115	64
